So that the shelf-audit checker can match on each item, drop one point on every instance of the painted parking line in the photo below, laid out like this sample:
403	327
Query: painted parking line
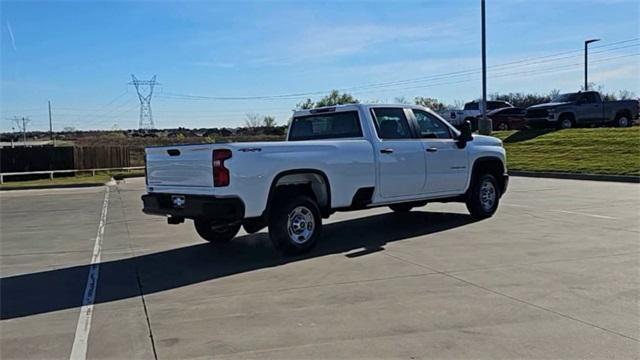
81	338
564	212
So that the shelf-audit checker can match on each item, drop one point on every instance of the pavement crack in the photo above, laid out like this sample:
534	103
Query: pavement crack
138	280
566	316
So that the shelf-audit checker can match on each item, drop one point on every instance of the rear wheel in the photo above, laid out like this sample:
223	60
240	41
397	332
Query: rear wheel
483	197
503	126
295	224
216	233
623	121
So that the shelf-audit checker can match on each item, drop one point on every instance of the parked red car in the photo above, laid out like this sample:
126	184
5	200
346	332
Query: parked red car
509	118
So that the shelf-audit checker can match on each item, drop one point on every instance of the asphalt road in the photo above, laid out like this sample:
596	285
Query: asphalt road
555	274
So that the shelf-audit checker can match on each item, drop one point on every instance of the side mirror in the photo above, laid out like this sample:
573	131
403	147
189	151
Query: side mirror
465	134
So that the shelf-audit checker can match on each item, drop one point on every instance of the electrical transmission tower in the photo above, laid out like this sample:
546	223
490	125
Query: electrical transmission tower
144	88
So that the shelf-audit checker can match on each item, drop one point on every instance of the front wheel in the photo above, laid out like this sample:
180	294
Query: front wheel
565	122
215	233
483	197
295	225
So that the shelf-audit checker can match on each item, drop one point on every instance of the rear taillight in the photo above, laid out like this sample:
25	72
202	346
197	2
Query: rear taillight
220	173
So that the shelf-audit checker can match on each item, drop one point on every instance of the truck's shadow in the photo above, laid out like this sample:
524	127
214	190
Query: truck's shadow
43	292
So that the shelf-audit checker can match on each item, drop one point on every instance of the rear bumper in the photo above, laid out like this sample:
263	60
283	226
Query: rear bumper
195	206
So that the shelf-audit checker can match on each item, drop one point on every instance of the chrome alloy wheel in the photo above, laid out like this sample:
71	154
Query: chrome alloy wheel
487	195
300	225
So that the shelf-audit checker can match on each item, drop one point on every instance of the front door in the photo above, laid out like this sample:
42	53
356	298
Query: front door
447	165
401	167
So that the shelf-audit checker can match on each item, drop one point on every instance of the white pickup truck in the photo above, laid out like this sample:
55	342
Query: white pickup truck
338	158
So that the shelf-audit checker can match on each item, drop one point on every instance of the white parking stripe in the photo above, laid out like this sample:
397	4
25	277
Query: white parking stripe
585	214
81	339
565	211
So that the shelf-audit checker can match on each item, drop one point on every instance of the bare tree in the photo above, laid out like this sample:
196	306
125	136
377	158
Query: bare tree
253	120
21	124
269	121
626	95
401	100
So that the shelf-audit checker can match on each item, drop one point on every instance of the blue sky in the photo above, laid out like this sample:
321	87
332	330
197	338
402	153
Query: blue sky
80	55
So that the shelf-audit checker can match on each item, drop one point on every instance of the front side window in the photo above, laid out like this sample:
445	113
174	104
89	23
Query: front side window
345	124
391	123
430	126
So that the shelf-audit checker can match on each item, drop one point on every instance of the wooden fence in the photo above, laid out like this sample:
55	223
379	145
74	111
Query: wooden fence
40	158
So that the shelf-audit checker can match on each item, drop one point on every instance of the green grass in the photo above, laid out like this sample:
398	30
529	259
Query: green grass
65	180
610	151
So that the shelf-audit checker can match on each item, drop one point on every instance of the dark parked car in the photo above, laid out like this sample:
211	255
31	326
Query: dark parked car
583	108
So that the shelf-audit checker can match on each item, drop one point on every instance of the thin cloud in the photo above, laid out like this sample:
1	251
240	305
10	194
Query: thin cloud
11	37
224	65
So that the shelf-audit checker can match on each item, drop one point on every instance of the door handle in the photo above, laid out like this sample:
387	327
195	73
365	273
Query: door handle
386	151
432	149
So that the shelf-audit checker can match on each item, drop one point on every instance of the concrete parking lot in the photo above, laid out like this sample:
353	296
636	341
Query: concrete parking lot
555	274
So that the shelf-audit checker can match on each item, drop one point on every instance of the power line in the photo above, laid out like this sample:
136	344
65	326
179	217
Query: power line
522	62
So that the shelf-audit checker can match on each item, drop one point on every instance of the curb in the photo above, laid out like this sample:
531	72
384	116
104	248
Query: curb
574	176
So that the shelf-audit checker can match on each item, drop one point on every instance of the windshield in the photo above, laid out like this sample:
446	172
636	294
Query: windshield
566	97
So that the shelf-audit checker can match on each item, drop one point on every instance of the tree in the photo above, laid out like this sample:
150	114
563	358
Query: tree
269	121
626	95
431	103
306	104
253	120
401	100
524	100
334	98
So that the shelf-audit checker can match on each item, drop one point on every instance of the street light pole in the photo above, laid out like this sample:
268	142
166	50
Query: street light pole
586	61
485	125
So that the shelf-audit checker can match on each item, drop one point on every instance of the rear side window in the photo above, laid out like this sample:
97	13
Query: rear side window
493	105
591	98
511	111
391	123
471	106
345	124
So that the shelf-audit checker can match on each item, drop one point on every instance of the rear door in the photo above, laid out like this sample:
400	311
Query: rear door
590	108
401	167
446	163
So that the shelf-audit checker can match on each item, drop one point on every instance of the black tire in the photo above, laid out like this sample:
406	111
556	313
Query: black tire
217	233
295	236
401	208
477	197
565	122
623	121
503	126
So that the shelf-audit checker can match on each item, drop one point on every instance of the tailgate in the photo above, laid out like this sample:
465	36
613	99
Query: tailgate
188	165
